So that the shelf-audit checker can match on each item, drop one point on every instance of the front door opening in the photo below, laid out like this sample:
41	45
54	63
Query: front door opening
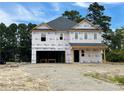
50	56
76	55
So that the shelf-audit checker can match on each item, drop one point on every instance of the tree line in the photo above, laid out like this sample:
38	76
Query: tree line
15	40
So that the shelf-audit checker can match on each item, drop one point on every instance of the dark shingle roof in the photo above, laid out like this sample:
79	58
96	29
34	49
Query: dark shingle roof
61	24
87	44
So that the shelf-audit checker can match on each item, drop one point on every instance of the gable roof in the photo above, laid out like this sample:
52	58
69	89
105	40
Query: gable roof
43	26
87	21
61	23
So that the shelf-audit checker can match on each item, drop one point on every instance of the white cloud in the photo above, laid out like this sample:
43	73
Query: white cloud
56	6
20	14
5	18
37	12
110	2
23	13
86	4
82	4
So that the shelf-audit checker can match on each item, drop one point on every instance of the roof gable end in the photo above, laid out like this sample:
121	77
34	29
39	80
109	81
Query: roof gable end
85	24
43	27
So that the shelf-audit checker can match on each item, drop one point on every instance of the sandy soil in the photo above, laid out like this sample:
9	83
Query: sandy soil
13	78
60	77
63	77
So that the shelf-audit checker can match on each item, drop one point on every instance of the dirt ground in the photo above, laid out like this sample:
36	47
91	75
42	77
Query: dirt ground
60	77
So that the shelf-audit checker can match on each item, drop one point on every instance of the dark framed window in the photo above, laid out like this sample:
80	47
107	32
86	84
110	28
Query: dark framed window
43	37
95	36
61	36
82	52
76	35
85	35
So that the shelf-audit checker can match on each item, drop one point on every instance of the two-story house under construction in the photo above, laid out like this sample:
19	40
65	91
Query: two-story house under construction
64	41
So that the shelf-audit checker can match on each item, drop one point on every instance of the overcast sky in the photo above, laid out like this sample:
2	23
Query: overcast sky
44	12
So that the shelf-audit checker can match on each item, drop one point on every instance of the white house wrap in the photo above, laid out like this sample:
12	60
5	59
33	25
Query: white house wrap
64	41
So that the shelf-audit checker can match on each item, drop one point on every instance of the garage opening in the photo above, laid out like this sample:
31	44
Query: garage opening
50	56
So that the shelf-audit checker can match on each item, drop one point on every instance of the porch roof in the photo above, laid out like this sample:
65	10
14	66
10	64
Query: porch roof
88	45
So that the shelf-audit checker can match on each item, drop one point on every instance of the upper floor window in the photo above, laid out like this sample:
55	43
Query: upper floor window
61	36
85	35
43	37
95	36
76	35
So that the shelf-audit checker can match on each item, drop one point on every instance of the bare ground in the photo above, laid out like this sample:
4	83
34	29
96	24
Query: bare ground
13	78
60	77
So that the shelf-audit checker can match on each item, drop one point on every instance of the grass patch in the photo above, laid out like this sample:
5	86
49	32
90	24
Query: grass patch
118	79
106	77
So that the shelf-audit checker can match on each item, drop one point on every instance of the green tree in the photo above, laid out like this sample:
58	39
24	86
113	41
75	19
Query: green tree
16	40
117	40
11	42
73	15
108	37
30	26
24	46
22	36
115	53
96	15
3	29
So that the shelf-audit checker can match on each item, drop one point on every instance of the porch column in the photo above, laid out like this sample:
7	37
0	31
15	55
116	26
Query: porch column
80	56
68	56
104	56
72	56
33	58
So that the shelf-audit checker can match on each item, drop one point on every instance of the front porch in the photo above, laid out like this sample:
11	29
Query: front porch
88	54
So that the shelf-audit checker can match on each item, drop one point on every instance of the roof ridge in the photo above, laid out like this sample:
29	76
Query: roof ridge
61	17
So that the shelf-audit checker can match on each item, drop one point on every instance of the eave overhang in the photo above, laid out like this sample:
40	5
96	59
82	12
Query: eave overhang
88	45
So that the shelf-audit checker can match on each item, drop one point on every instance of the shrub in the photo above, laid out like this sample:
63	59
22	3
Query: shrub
115	55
